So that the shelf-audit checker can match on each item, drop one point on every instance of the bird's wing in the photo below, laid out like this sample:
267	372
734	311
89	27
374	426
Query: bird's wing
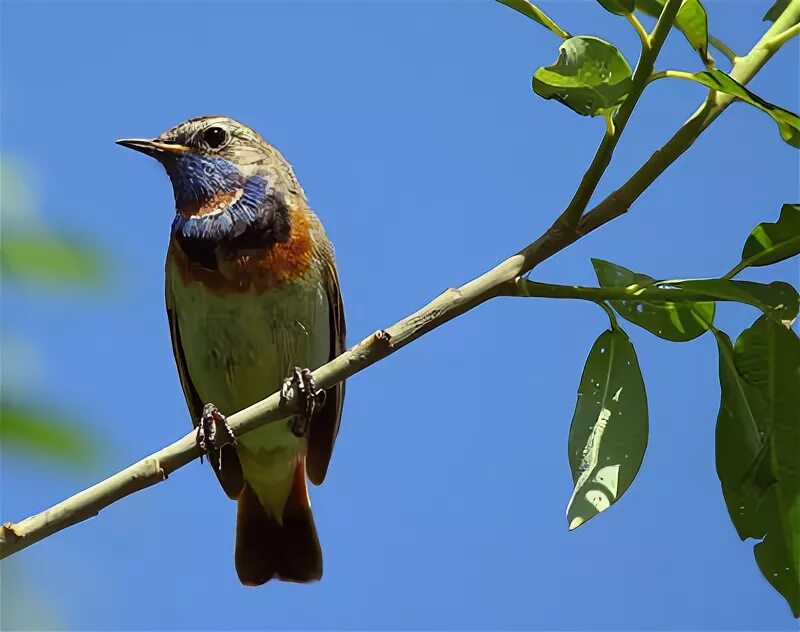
231	476
325	424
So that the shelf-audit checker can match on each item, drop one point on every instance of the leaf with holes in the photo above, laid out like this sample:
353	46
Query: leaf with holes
777	298
608	435
691	20
757	447
536	14
788	122
590	76
678	322
773	242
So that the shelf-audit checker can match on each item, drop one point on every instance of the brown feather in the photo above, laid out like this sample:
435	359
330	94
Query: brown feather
230	475
265	548
278	265
325	424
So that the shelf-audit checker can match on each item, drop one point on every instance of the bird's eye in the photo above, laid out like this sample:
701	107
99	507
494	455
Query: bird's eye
215	137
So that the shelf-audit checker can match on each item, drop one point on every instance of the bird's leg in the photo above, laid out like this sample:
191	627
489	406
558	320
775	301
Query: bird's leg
311	398
213	423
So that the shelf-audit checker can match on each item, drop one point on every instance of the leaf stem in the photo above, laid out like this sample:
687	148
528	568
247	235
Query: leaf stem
723	48
736	269
663	74
640	30
649	293
609	119
571	215
612	317
779	40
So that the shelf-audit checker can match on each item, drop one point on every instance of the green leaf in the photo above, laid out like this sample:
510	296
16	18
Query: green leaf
45	433
773	242
778	298
788	122
590	77
691	20
536	14
608	435
739	444
672	321
618	7
776	10
49	259
758	443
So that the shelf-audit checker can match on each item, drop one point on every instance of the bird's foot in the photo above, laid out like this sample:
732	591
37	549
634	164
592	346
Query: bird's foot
213	432
311	398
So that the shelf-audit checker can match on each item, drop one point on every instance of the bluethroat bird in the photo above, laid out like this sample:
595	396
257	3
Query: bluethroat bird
252	293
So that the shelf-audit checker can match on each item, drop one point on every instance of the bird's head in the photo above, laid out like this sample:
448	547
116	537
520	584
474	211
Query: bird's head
226	178
214	156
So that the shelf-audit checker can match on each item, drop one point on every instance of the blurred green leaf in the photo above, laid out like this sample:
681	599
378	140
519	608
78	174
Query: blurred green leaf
773	242
608	435
775	11
45	433
49	259
536	14
618	7
673	321
758	447
778	298
590	77
788	122
691	20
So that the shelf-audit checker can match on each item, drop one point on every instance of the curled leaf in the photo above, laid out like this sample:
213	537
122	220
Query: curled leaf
771	242
590	77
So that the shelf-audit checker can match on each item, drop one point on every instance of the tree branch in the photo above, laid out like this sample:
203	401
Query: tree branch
651	47
498	281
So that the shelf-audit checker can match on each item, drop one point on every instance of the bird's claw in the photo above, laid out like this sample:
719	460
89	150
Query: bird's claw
213	432
311	398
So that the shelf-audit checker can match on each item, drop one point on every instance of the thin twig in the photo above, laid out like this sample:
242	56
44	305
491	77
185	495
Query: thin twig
723	48
498	281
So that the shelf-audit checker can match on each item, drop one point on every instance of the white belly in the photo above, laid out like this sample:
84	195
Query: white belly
239	348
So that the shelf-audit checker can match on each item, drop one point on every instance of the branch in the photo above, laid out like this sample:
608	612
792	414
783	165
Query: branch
498	281
651	46
745	68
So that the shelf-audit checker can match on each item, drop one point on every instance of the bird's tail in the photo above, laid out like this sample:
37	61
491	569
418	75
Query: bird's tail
267	548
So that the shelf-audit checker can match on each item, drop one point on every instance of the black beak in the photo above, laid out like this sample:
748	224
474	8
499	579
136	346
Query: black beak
155	148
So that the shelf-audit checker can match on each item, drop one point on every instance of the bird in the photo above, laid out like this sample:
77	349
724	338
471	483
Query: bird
253	301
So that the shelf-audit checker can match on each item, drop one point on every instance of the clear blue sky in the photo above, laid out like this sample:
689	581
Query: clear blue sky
414	131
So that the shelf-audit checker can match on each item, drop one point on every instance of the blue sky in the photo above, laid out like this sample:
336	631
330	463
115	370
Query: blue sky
414	131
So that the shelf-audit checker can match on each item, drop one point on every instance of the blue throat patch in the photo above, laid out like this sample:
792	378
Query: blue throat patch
196	179
258	219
